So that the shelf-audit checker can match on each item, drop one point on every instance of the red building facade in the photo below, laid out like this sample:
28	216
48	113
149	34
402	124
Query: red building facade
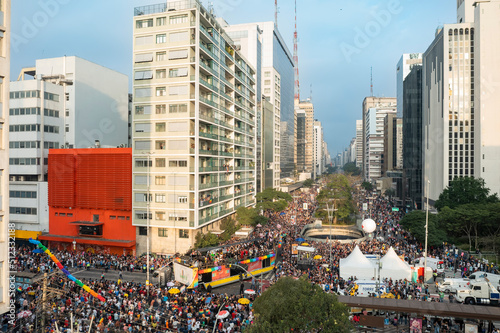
90	200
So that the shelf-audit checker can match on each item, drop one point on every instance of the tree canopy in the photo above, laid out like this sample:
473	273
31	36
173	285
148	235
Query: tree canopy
271	199
352	169
414	222
465	190
250	216
301	306
338	189
367	186
308	183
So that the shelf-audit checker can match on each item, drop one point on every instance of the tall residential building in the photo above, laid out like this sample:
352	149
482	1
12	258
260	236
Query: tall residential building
301	139
76	104
261	43
318	149
352	151
393	142
266	149
194	126
413	140
461	136
4	152
374	138
359	143
308	141
389	103
249	40
404	66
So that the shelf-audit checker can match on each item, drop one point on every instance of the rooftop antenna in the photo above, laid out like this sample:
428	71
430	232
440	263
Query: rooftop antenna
296	59
371	81
276	11
311	93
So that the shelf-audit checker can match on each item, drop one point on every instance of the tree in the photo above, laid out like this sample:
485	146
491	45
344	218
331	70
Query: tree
414	222
465	190
271	199
205	240
299	306
250	216
390	192
339	190
351	168
308	183
367	186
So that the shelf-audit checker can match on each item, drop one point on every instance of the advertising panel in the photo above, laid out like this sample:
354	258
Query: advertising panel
222	273
254	265
183	274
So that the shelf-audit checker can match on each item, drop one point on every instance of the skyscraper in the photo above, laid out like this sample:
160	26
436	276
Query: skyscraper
359	143
307	141
405	65
4	152
194	125
460	73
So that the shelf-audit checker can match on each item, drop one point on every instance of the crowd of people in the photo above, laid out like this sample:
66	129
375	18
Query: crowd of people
135	307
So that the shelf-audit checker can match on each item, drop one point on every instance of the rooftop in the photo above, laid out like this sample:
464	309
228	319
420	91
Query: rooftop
167	6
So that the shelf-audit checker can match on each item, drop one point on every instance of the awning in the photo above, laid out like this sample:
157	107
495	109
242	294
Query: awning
306	249
89	223
85	240
26	234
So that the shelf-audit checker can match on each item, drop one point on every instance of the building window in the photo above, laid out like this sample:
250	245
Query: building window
142	197
162	232
161	38
161	73
177	54
143	109
175	108
161	91
160	216
160	197
140	163
160	163
160	144
121	218
178	72
178	36
112	217
22	210
160	180
23	194
139	24
182	199
177	163
183	233
161	109
161	21
160	127
161	56
177	19
177	90
143	231
142	215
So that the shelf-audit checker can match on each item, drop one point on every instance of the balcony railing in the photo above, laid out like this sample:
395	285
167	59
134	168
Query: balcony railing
226	197
210	53
225	182
209	118
208	85
209	102
208	152
208	169
225	211
209	135
223	138
202	28
207	185
208	68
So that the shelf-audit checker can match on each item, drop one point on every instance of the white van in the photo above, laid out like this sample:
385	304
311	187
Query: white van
451	285
365	288
480	276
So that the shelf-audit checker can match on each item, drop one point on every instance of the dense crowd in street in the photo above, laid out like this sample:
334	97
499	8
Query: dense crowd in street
130	307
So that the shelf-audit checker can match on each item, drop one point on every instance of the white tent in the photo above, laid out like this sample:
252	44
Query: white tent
392	267
356	264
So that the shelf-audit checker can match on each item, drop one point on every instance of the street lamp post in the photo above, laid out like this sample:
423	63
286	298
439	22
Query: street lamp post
426	227
230	265
217	316
330	217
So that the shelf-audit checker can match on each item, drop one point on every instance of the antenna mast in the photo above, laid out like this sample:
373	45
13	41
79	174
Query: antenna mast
276	13
371	81
296	59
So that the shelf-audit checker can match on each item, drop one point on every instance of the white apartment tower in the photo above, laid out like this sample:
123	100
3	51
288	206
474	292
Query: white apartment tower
4	153
194	123
374	139
61	102
461	74
318	149
249	39
359	143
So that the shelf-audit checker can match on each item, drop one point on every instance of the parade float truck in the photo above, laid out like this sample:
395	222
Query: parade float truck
481	292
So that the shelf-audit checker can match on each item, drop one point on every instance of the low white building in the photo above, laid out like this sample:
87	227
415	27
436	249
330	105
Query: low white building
65	102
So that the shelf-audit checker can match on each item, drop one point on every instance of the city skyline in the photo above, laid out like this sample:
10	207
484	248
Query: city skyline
53	28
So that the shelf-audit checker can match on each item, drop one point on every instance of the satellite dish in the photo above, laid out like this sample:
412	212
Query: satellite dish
368	226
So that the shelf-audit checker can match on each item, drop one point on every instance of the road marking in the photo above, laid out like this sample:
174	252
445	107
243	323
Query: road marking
83	270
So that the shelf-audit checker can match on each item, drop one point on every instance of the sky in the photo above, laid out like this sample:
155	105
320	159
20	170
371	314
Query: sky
339	41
